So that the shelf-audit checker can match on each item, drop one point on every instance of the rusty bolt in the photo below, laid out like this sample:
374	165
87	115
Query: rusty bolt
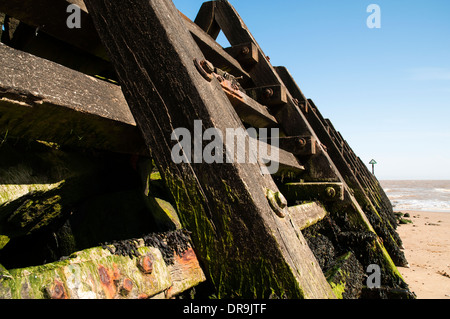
281	200
207	66
126	287
245	50
145	264
200	65
220	78
302	142
268	93
331	192
277	202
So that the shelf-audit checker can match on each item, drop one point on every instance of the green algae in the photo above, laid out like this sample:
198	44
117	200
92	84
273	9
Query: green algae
345	277
80	276
4	240
233	269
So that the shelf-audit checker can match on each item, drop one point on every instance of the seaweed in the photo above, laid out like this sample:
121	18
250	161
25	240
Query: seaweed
168	243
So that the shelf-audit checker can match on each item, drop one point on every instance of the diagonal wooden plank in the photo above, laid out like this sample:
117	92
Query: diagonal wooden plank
214	52
235	231
205	20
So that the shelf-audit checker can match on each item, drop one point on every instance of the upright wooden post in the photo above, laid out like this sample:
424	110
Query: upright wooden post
245	248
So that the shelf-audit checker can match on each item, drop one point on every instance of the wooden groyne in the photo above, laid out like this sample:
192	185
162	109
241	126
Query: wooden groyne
93	204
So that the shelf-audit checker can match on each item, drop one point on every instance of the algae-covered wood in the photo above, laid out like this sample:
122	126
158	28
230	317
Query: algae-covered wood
96	273
308	214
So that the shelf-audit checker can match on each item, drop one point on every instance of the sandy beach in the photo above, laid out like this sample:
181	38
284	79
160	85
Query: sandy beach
427	249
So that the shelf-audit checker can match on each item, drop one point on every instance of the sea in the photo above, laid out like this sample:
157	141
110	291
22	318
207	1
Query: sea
419	195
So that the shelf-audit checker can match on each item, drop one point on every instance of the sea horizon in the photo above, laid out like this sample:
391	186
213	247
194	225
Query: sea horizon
431	195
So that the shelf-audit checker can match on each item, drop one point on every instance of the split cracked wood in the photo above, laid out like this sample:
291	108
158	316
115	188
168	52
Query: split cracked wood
235	231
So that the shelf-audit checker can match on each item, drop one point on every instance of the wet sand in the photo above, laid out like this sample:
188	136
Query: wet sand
427	249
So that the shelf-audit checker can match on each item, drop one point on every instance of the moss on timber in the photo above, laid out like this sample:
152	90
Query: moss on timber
232	267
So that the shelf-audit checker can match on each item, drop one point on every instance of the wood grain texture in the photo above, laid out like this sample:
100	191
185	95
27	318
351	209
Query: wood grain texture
40	99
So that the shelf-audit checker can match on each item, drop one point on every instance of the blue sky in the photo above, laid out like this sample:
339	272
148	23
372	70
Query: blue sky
386	90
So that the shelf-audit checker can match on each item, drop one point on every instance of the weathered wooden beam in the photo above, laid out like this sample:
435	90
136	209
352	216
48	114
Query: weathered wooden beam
286	161
42	100
234	229
96	273
185	273
51	17
297	145
247	53
214	52
270	95
308	214
37	102
206	21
